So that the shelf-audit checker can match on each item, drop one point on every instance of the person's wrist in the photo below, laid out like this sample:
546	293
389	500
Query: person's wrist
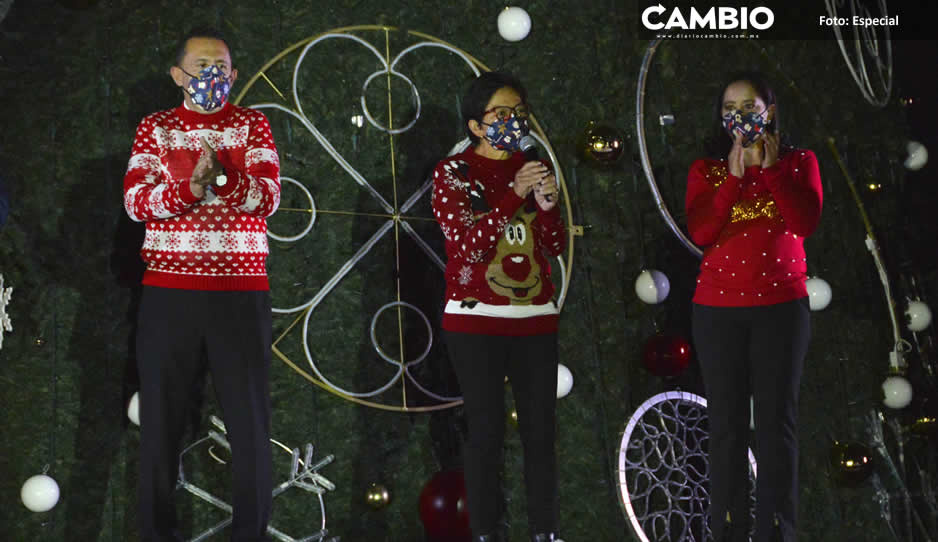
197	189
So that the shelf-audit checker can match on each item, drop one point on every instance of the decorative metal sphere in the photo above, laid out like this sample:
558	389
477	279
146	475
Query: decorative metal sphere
514	24
851	462
601	145
819	293
919	315
377	496
666	355
897	392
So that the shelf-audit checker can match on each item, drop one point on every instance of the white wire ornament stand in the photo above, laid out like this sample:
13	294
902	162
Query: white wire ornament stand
868	51
663	469
304	474
397	218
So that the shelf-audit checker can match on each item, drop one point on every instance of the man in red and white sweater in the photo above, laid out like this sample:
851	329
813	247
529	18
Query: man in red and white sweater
204	176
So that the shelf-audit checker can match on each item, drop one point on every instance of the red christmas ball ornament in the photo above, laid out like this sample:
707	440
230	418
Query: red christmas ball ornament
666	355
443	508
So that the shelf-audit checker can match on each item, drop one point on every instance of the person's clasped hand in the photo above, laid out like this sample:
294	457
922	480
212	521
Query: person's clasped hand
206	170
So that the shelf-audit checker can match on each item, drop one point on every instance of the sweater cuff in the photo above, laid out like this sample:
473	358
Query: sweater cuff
185	192
552	216
233	179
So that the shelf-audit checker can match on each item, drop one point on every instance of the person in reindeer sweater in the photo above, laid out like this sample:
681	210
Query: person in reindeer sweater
500	219
204	176
751	205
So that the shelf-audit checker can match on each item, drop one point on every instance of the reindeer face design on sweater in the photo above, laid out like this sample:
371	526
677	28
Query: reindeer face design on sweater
513	272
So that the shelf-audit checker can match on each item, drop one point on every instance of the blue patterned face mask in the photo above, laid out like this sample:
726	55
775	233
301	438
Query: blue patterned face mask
506	134
751	126
209	90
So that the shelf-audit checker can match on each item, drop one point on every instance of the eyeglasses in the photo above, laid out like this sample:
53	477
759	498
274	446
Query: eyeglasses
503	112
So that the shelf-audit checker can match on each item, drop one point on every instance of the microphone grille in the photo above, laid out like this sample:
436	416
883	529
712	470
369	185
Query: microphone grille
527	142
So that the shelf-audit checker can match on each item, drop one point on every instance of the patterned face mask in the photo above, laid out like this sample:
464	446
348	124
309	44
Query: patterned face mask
506	134
751	126
209	90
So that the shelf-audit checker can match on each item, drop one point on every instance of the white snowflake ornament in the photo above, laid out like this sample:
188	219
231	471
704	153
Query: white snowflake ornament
5	323
465	275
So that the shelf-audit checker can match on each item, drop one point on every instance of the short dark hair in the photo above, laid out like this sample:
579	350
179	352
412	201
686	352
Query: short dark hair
478	93
199	32
719	143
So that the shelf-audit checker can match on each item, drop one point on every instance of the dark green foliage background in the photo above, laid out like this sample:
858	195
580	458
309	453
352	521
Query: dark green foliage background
74	84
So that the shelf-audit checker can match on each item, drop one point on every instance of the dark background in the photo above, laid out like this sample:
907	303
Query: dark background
76	78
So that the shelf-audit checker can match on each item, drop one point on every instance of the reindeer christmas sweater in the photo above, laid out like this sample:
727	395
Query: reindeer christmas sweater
218	242
497	246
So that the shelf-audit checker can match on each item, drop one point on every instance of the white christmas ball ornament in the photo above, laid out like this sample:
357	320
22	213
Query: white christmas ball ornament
652	286
918	156
919	315
133	408
897	392
514	24
564	380
40	493
819	293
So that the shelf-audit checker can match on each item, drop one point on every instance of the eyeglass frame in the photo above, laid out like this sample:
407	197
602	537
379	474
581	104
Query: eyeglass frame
514	112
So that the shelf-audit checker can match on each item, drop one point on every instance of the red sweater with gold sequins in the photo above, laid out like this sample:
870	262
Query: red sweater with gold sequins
497	273
753	229
218	242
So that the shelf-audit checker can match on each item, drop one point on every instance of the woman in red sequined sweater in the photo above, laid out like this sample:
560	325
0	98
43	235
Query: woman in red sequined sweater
750	206
499	215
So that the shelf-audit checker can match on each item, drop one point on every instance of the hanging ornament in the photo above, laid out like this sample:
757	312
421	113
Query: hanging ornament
600	145
133	408
564	380
918	156
652	286
897	392
851	463
925	424
926	420
666	355
513	418
377	496
40	493
514	23
919	315
819	293
443	508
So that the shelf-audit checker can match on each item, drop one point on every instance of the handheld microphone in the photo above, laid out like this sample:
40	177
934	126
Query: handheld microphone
528	146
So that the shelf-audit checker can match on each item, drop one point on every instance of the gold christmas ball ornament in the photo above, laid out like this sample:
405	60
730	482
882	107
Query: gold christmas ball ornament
377	496
601	145
925	425
926	418
851	462
39	341
513	418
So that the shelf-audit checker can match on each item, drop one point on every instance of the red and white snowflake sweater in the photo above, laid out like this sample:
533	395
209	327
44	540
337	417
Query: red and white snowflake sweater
218	242
497	245
753	229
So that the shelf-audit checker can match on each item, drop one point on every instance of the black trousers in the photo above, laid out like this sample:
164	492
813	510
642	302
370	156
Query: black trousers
233	329
756	351
481	363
